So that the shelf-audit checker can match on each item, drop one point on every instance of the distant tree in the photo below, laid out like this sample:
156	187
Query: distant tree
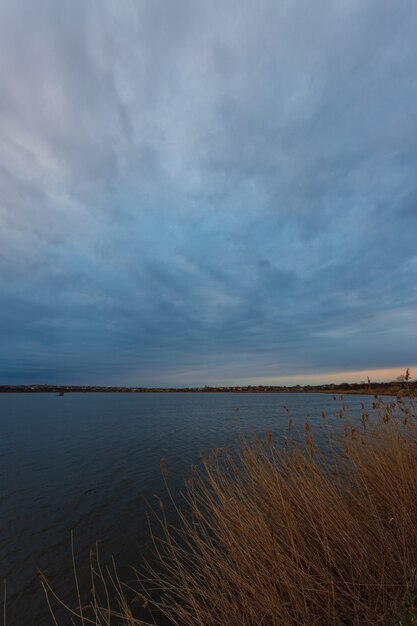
403	378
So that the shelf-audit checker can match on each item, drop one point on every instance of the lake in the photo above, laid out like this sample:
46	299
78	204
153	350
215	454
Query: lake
91	462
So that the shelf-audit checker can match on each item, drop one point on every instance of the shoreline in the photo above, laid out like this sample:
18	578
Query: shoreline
391	388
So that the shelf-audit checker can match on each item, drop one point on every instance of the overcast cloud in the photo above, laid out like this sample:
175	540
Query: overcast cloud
199	192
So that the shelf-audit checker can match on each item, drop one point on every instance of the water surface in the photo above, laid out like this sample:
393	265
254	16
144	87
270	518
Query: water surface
91	462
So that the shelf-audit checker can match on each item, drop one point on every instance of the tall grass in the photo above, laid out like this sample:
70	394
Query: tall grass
313	530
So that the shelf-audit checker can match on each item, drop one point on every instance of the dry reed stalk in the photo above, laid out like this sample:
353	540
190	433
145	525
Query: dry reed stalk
4	602
289	533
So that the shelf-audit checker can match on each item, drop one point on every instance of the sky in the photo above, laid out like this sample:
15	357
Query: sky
206	192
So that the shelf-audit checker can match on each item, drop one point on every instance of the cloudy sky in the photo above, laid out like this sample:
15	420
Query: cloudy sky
207	191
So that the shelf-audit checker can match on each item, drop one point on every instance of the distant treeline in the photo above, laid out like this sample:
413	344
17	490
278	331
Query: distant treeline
390	388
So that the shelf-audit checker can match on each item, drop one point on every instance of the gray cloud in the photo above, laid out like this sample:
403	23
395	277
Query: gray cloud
202	191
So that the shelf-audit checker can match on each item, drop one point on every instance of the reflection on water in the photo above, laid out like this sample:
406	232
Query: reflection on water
91	462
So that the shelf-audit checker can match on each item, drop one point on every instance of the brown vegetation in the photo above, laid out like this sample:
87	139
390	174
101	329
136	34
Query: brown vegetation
314	529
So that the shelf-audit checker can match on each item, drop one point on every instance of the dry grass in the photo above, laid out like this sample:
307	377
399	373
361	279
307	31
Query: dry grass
287	533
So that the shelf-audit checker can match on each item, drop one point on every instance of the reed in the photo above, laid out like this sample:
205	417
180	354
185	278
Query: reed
314	529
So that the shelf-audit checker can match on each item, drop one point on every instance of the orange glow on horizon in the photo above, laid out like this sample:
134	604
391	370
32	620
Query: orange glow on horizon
354	376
